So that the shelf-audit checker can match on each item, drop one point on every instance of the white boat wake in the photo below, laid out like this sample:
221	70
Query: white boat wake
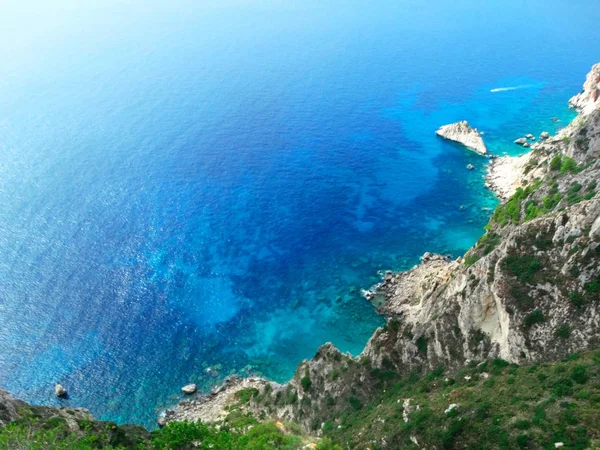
511	88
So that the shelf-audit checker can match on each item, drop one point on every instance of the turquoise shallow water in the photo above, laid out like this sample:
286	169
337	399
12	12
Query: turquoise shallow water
196	190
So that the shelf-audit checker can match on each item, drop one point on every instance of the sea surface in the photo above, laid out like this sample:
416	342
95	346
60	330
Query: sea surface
191	189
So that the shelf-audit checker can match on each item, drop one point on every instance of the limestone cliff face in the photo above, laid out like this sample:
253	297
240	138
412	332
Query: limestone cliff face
589	99
462	133
528	291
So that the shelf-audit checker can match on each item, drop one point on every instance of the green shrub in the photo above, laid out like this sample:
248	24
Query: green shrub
421	344
354	402
563	332
556	162
533	318
245	395
524	267
471	258
579	374
576	298
568	165
327	444
306	383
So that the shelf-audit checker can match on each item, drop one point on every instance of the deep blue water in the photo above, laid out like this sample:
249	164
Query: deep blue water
200	187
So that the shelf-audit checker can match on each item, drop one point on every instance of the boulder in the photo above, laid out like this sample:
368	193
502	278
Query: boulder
189	389
470	167
521	141
530	136
60	391
544	135
451	408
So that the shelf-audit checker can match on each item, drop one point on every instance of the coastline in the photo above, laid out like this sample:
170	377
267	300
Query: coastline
470	288
504	176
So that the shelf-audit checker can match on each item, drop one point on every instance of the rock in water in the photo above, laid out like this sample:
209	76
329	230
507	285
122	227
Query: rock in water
521	141
544	135
189	389
462	133
60	391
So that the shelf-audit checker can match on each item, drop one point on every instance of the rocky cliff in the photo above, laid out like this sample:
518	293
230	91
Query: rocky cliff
529	291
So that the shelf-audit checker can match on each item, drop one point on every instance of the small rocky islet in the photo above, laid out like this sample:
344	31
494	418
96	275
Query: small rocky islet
464	134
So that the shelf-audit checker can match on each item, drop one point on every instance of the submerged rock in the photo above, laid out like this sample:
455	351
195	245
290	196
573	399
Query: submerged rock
470	167
60	391
462	133
189	389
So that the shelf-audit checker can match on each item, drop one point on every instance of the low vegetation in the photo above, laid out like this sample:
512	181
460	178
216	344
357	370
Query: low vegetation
499	406
238	432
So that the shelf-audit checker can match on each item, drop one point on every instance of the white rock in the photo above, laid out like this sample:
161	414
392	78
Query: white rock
521	141
544	135
60	391
589	99
451	408
559	444
462	133
189	389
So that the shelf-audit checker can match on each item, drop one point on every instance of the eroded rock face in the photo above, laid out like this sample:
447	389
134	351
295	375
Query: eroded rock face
9	408
588	100
462	133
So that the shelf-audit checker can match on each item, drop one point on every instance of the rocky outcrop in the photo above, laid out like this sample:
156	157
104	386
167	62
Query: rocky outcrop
588	100
60	391
76	421
462	133
189	389
9	408
213	407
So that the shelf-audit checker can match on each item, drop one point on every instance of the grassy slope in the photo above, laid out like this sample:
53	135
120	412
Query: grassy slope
501	406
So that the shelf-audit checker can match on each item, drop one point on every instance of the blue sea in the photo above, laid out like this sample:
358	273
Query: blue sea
194	189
